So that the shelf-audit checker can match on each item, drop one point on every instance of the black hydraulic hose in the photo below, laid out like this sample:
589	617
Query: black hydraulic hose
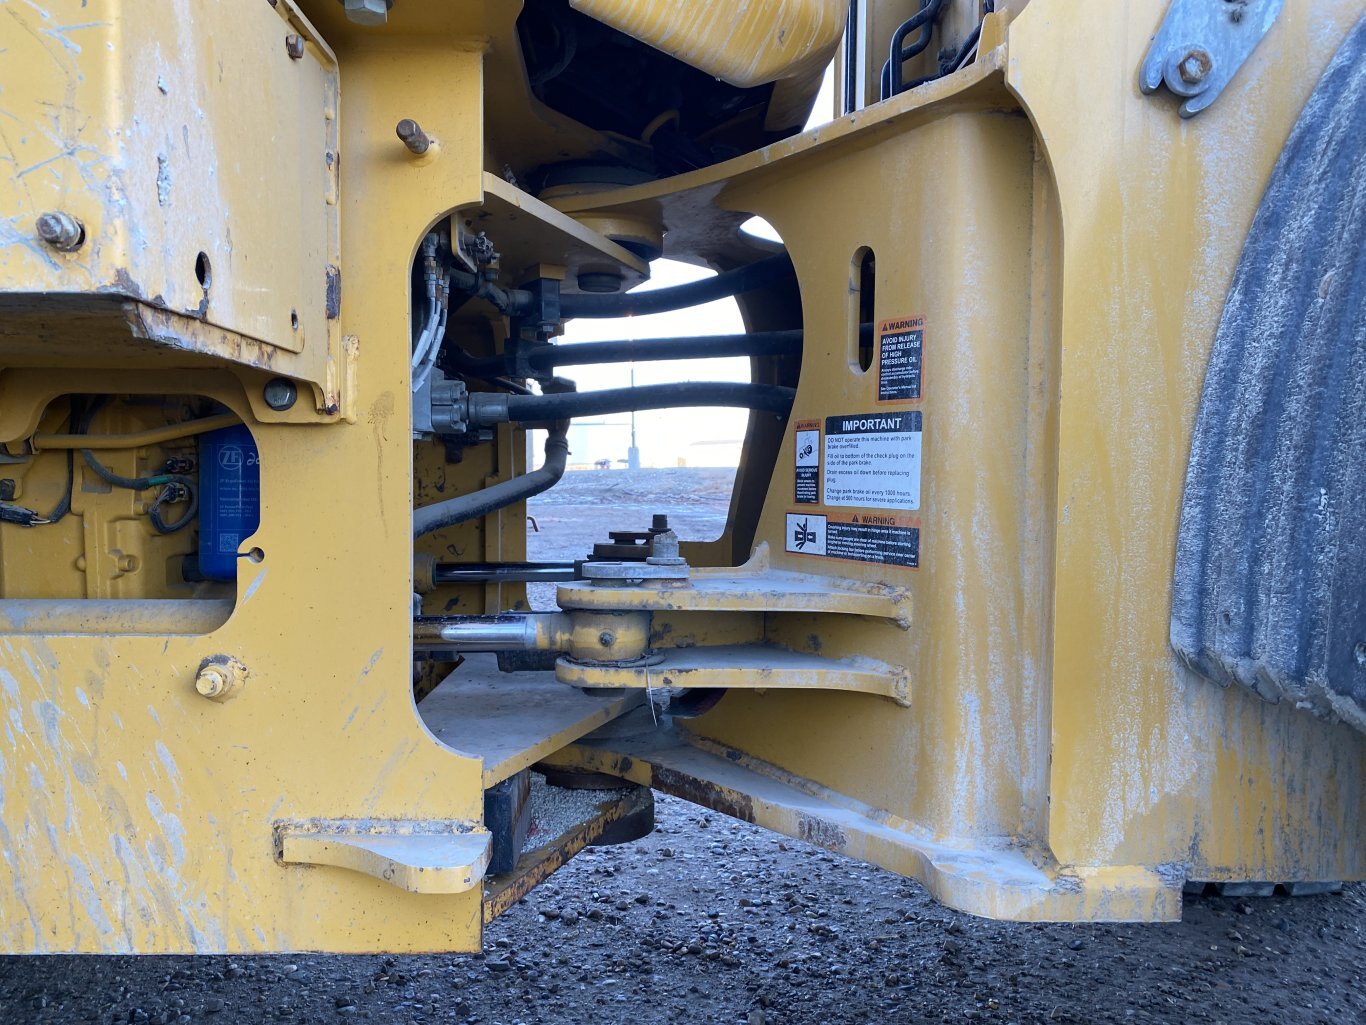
765	397
759	274
923	19
969	44
760	343
499	496
636	350
511	301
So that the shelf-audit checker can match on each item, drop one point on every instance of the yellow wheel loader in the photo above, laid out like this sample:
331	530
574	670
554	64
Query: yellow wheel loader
1044	575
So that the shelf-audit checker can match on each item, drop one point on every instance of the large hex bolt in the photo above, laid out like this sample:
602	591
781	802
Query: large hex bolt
368	12
417	141
61	231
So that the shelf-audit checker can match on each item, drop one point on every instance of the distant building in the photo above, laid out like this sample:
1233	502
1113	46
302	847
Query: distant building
712	453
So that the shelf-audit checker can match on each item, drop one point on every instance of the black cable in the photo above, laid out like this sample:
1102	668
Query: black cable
763	397
752	276
175	487
64	506
478	504
960	58
891	82
131	483
170	494
25	517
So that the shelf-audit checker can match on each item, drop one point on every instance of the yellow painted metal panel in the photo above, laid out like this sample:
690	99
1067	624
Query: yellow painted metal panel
148	810
1070	265
198	154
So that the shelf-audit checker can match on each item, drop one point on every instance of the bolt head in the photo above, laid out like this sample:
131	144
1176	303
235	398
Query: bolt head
280	393
219	678
606	639
1195	66
294	46
60	230
211	682
410	132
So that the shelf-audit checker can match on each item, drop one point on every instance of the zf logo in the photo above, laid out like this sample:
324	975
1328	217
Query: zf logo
803	535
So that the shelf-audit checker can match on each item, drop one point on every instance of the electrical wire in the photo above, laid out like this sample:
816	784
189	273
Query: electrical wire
180	489
25	517
174	487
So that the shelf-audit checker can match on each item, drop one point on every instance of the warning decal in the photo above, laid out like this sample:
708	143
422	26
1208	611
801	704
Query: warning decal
872	460
888	538
808	457
901	352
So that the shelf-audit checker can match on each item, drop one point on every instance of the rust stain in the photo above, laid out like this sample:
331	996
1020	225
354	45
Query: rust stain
708	795
821	833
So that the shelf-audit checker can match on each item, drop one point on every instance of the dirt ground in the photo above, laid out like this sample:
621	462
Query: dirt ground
716	921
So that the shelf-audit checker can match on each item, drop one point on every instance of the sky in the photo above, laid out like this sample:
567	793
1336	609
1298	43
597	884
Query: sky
667	437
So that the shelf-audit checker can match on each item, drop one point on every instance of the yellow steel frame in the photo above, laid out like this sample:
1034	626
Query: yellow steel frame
1068	322
1068	242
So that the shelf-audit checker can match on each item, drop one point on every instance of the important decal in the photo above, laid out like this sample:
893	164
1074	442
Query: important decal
872	460
891	539
807	451
900	362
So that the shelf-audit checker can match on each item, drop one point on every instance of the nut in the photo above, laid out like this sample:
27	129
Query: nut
368	12
664	550
220	677
212	682
294	46
1195	66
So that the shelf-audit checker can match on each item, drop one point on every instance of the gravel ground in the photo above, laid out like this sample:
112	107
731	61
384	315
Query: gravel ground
716	921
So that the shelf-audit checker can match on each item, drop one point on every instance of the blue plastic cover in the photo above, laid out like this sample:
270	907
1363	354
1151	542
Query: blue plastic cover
229	498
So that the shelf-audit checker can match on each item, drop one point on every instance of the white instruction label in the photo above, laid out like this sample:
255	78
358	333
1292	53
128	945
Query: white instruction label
872	460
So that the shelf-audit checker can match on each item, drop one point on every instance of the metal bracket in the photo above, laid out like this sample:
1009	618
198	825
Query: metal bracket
744	667
420	856
1200	46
